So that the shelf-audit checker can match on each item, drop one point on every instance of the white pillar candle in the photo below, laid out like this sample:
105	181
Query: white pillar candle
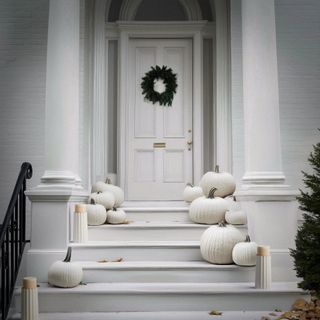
263	268
29	299
80	219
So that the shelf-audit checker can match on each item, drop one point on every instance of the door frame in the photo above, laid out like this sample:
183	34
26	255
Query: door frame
150	30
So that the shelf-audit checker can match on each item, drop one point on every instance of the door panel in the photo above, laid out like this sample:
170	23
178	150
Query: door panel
159	161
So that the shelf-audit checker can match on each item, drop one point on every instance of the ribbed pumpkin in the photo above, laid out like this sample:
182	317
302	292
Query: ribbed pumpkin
222	181
116	216
65	274
191	192
104	198
233	204
217	243
208	210
107	186
245	253
97	214
236	217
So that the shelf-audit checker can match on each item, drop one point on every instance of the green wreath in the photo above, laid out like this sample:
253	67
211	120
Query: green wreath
169	79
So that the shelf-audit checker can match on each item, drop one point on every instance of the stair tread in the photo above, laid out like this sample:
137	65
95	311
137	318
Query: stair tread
158	265
128	243
157	224
159	315
183	288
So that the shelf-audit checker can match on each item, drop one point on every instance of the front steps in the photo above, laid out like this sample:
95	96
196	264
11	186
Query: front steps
161	275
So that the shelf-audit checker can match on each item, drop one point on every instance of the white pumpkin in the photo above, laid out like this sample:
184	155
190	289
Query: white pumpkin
116	216
107	186
191	192
217	243
209	210
233	204
236	217
245	253
65	274
104	198
97	214
223	181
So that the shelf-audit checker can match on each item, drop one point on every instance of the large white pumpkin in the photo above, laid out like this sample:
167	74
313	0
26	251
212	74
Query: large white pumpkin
223	181
116	216
192	192
107	186
245	253
97	214
209	210
236	217
104	198
65	274
217	243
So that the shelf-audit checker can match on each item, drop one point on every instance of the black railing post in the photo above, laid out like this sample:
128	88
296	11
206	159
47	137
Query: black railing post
13	239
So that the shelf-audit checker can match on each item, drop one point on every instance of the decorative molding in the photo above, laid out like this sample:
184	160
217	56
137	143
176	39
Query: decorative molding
129	9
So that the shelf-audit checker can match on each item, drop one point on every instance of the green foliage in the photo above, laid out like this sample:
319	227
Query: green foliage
169	79
307	253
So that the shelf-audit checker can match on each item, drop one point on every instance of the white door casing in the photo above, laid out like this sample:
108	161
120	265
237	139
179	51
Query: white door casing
159	173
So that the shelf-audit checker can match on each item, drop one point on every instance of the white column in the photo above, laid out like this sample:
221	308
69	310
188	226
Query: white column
270	204
261	94
60	188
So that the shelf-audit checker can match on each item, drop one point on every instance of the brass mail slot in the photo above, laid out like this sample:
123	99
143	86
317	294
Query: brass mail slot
159	145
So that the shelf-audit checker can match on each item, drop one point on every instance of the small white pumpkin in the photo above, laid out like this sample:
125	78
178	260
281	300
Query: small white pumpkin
209	210
97	214
233	204
107	186
217	243
65	274
104	198
245	253
116	216
236	217
223	181
191	192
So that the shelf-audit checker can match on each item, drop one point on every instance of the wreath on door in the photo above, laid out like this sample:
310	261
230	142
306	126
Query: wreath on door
159	85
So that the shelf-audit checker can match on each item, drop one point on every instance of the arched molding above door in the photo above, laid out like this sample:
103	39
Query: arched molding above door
129	9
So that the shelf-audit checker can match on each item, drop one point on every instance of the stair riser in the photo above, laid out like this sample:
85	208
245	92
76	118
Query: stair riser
168	275
166	216
140	301
137	253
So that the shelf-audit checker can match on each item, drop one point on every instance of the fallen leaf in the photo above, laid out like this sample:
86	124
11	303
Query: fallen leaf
215	313
265	318
103	261
118	260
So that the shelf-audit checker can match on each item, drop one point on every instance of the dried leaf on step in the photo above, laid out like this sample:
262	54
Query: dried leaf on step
103	261
277	310
118	260
215	313
265	318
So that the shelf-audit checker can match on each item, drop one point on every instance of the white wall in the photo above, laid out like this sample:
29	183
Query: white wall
298	34
23	40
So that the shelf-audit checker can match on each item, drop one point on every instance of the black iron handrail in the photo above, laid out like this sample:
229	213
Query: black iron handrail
13	239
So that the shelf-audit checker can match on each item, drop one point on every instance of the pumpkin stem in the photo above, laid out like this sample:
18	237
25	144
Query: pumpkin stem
217	169
189	185
108	181
248	238
99	192
92	201
114	209
234	198
68	256
211	192
222	223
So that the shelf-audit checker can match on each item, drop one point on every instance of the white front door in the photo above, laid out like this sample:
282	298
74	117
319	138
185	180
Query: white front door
159	158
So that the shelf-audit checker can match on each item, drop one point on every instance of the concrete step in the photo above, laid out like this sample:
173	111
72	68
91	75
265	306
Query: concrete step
137	250
157	213
153	231
150	297
164	271
163	315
